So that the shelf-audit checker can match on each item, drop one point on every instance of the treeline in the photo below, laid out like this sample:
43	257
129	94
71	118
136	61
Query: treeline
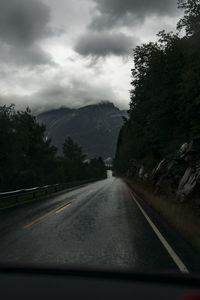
27	158
165	99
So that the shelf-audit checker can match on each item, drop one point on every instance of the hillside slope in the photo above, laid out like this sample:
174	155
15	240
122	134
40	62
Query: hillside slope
95	128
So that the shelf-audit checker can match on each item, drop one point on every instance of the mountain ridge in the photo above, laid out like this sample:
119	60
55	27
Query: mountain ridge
94	127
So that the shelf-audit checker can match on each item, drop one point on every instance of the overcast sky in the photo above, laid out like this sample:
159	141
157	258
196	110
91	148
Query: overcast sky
74	52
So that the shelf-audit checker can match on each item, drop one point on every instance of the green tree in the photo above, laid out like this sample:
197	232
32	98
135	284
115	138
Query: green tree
165	102
72	151
191	20
27	159
97	168
73	160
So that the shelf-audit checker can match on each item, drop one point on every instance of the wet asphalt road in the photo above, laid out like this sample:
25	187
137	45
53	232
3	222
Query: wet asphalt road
96	225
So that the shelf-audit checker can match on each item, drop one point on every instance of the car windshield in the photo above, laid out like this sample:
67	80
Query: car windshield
100	134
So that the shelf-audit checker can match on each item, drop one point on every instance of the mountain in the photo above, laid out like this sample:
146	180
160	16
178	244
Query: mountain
95	128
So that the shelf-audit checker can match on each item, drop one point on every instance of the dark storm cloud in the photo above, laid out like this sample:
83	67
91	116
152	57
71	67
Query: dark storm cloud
117	12
23	56
22	24
104	44
23	21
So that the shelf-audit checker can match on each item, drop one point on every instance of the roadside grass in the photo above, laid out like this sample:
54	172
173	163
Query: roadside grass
183	217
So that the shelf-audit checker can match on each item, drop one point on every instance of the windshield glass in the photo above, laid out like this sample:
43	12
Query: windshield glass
100	134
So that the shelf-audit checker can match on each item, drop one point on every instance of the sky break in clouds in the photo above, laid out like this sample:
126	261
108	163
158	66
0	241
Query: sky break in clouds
74	52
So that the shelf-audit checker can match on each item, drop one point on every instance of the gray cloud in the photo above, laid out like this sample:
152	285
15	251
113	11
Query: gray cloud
116	12
22	24
76	79
76	94
23	21
24	56
104	44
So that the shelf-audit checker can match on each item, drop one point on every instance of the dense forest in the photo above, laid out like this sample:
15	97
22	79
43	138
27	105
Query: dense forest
165	98
27	158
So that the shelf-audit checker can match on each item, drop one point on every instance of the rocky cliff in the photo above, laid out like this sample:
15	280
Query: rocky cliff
179	176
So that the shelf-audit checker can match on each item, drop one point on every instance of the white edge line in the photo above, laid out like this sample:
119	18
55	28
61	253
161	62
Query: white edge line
169	249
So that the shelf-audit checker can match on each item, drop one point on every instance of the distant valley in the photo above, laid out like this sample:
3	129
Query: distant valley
95	128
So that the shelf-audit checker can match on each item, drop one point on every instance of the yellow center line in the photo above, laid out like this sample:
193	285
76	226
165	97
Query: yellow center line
47	214
57	210
62	208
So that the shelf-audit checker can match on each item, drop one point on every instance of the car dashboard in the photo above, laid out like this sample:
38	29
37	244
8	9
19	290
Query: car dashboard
75	283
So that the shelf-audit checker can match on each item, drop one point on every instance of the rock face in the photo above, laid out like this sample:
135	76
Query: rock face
190	182
95	128
179	176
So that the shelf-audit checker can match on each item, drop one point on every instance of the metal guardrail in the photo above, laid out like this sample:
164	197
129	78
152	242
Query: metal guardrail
36	192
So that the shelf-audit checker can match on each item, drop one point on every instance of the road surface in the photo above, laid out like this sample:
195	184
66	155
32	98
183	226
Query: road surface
96	225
